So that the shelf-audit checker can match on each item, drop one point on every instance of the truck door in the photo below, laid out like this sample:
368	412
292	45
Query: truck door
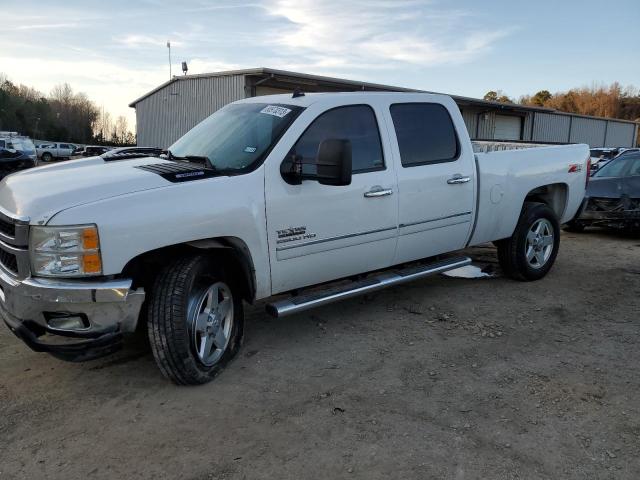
320	232
436	179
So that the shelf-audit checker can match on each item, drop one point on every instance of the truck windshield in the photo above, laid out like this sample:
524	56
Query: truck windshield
236	137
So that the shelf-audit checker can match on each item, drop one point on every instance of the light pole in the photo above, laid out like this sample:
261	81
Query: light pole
169	47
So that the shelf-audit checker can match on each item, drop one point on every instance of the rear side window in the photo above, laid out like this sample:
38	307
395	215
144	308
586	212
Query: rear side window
425	133
635	166
615	168
356	123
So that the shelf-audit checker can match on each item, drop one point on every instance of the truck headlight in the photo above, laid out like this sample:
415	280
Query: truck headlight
65	251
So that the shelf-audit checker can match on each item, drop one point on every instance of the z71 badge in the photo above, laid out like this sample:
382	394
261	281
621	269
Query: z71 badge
293	234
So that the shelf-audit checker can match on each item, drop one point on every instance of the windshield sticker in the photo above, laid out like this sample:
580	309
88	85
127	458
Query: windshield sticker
250	149
275	111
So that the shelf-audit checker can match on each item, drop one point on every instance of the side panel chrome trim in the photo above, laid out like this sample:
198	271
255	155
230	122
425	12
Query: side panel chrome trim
331	239
293	305
428	227
404	225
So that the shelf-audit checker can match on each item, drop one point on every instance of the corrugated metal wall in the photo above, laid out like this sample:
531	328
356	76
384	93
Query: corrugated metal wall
486	125
588	130
548	127
471	121
619	134
169	113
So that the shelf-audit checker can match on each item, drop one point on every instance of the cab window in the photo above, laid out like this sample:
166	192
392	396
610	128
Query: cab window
356	123
425	133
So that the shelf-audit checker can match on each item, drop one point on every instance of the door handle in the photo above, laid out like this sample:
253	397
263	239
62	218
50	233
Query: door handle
378	191
456	179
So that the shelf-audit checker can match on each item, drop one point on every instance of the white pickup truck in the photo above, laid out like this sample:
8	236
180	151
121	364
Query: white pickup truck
263	199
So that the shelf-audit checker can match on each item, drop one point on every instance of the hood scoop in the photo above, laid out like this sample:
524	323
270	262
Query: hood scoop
178	172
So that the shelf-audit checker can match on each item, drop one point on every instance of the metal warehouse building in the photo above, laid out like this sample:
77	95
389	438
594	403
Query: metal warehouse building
167	112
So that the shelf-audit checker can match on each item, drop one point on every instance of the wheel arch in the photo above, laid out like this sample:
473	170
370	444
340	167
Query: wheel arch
233	252
554	195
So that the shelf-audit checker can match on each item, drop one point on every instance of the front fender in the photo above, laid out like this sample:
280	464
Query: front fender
136	223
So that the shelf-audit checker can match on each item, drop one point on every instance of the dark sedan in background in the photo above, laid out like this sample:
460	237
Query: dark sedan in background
13	160
613	195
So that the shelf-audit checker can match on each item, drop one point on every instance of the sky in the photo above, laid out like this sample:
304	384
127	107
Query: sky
115	51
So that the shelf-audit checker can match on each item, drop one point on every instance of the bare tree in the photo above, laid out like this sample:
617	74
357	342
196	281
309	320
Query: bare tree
121	129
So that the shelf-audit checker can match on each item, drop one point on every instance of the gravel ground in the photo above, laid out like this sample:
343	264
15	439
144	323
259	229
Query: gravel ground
443	378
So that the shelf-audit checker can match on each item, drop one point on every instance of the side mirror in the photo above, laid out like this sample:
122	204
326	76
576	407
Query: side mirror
333	162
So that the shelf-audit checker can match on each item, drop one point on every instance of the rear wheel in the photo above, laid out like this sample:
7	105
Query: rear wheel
47	157
532	249
195	320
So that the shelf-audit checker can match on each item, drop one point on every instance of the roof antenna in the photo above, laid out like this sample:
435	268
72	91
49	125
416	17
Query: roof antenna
297	93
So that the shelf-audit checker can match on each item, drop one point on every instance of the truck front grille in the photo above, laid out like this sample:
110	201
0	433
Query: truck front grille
14	242
8	228
9	261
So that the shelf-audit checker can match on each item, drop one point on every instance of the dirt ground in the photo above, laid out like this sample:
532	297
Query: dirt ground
444	378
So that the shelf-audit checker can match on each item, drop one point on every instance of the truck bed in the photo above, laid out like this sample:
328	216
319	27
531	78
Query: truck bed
487	146
507	175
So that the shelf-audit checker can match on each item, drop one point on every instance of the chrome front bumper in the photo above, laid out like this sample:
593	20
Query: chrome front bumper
110	309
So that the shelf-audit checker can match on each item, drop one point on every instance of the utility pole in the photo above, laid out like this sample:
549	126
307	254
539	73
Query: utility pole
169	47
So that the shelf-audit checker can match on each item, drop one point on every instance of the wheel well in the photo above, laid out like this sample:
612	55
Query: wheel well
232	251
553	195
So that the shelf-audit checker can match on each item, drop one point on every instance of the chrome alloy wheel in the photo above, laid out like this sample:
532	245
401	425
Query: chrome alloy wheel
539	246
211	322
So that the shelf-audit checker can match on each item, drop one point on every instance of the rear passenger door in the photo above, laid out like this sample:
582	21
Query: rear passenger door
64	150
436	178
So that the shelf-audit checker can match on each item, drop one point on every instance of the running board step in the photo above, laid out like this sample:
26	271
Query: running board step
300	303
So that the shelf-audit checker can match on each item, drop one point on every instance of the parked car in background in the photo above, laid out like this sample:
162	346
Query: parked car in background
613	195
21	144
601	156
268	196
132	152
79	150
48	152
12	160
94	150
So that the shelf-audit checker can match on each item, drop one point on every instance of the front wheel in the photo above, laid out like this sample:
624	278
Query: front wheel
532	249
195	321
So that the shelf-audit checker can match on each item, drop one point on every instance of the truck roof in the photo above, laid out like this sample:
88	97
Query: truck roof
310	98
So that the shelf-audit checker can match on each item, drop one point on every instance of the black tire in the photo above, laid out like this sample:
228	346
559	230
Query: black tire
47	157
512	251
574	227
170	314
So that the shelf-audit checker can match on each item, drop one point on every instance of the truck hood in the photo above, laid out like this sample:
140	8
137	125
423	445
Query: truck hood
39	193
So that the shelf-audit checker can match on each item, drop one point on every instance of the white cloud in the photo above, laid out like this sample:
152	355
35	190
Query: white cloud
137	41
335	33
41	26
115	55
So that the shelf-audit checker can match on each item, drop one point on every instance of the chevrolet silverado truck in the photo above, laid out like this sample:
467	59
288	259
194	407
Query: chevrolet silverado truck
295	200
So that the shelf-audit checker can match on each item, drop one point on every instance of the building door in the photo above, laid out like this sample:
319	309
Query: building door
508	127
